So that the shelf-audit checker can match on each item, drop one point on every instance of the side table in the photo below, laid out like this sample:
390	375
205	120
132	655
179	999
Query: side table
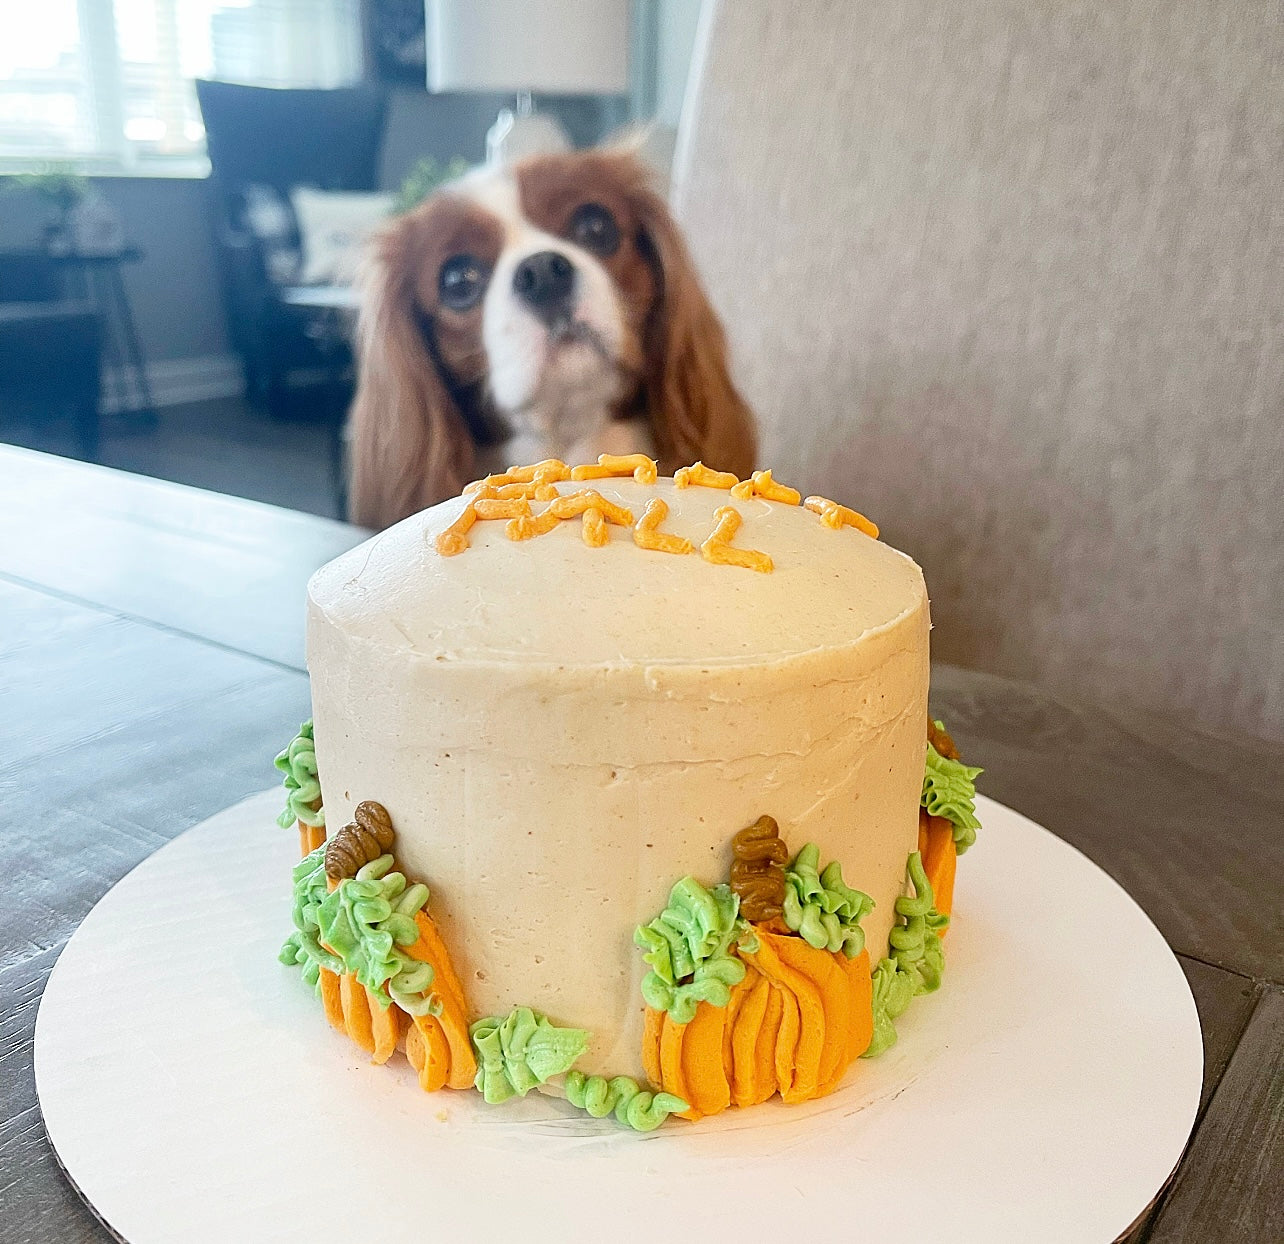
97	279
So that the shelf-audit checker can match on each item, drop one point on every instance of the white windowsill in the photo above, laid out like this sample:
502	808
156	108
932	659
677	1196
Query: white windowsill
177	167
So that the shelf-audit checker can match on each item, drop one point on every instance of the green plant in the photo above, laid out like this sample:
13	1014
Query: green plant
57	183
427	176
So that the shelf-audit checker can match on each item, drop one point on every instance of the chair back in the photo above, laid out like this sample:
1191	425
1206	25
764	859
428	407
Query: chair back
283	138
262	142
1009	277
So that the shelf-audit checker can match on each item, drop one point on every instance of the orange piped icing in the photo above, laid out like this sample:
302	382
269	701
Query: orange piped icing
760	484
703	476
454	539
718	549
494	507
508	496
646	533
571	504
643	469
834	515
593	528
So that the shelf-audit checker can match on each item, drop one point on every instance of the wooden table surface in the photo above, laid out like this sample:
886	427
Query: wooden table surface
151	664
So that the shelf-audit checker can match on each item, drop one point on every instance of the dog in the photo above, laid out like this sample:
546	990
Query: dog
547	310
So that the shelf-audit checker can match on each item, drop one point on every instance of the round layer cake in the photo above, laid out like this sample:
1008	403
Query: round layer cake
559	732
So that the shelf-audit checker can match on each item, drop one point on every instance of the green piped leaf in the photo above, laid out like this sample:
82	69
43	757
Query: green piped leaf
367	921
302	788
521	1052
949	791
303	947
821	907
688	948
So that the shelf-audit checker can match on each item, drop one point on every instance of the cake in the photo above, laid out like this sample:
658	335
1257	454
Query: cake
659	749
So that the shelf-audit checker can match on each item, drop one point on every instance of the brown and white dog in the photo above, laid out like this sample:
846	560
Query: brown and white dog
554	302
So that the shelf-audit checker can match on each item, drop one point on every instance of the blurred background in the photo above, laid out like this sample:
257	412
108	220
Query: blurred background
1007	275
200	238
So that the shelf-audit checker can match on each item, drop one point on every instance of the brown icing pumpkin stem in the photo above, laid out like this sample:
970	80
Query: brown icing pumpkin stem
368	837
757	871
940	739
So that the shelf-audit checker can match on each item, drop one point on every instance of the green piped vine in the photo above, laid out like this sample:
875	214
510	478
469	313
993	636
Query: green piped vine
302	789
361	927
916	963
688	947
893	992
622	1096
949	790
520	1052
821	908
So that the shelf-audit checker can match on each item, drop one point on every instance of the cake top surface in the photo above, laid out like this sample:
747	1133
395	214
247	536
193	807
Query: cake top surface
553	599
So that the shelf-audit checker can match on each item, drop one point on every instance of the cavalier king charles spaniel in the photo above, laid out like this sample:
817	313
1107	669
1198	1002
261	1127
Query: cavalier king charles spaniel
549	310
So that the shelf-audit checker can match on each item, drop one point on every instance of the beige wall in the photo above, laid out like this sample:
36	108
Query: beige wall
1010	276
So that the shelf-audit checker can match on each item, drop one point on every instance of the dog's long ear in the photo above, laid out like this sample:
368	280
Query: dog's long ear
410	446
692	402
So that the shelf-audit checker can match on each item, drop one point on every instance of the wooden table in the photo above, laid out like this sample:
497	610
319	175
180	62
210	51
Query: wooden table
151	664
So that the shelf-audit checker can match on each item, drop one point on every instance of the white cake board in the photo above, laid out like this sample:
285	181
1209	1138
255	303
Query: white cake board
193	1090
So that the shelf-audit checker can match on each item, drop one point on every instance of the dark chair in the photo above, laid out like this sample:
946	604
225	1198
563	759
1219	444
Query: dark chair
263	142
50	346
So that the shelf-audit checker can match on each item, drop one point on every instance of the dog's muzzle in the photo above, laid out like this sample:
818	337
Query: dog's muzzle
545	282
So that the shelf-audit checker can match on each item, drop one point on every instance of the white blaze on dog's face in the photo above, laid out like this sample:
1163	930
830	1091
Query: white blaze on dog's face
552	325
559	301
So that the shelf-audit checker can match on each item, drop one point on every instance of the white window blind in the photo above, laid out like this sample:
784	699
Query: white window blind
107	84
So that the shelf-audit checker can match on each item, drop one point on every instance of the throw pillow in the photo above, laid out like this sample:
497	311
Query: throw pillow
335	227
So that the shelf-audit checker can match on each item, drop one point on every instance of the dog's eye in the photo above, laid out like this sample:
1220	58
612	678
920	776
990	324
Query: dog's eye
594	228
461	282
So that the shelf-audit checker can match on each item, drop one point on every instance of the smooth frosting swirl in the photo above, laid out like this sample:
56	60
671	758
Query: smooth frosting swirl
821	907
632	1105
302	787
688	948
520	1052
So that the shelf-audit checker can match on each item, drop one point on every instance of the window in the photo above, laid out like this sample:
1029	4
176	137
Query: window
107	84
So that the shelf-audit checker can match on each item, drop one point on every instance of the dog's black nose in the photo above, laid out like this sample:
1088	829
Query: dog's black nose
545	281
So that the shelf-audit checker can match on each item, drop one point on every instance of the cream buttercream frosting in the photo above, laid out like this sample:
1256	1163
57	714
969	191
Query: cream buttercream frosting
559	732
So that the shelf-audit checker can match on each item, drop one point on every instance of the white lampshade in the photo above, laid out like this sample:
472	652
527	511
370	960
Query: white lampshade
554	47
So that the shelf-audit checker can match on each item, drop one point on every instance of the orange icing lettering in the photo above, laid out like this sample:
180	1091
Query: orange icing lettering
593	528
643	469
717	546
572	504
547	472
700	474
834	515
760	484
646	535
455	538
490	507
